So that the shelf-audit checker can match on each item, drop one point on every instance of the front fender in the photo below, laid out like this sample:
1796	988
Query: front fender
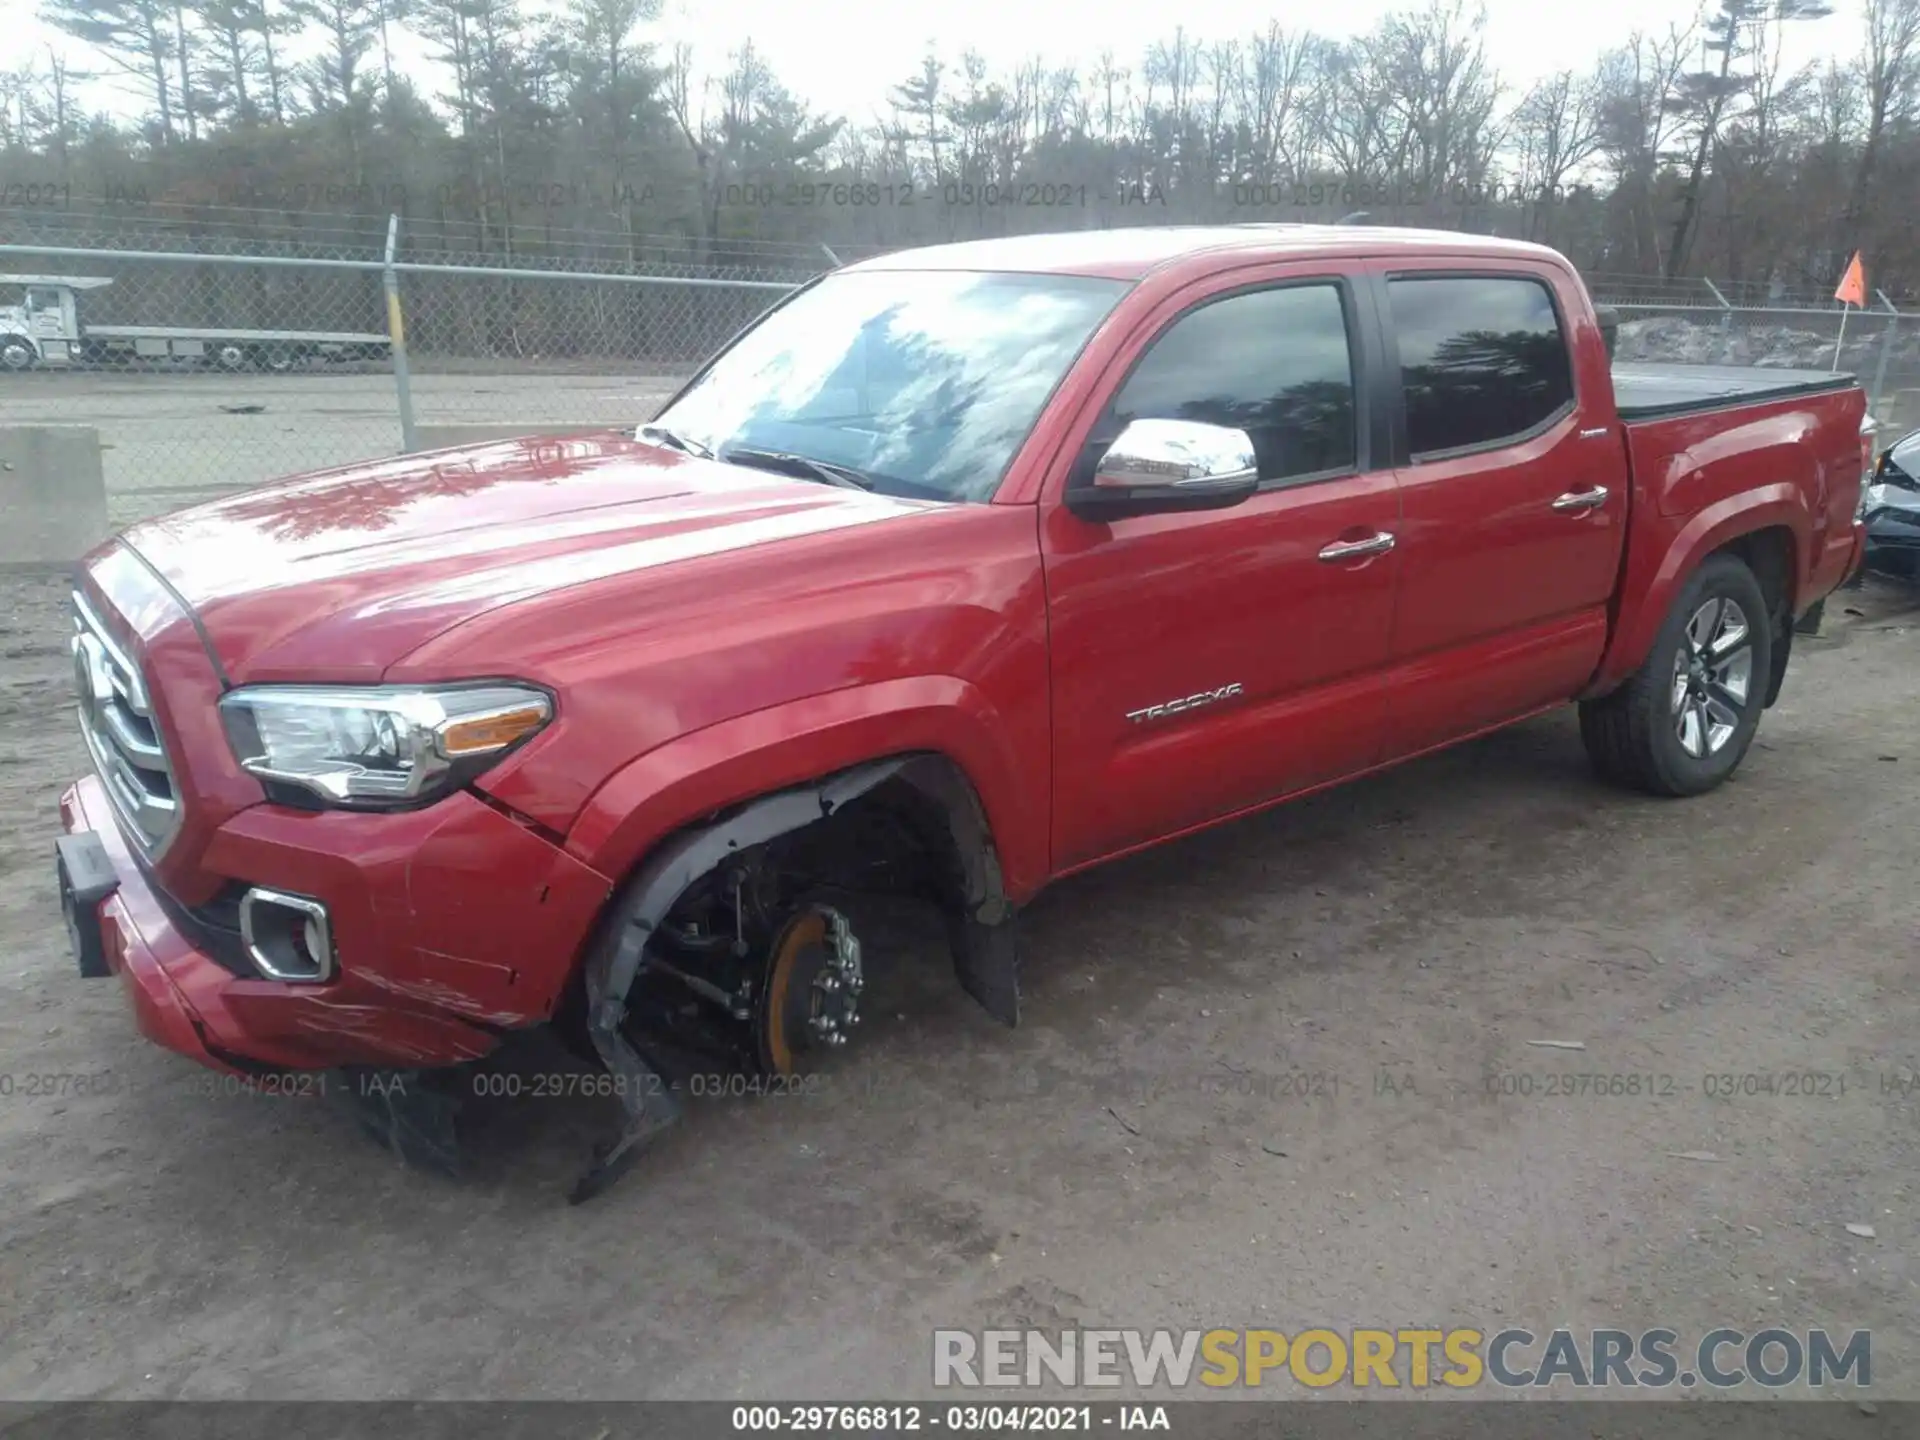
1658	564
681	782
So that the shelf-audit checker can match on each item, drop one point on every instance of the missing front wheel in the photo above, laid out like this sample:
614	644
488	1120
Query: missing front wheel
809	998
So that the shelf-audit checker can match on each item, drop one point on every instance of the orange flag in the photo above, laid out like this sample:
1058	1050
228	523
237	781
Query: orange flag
1853	284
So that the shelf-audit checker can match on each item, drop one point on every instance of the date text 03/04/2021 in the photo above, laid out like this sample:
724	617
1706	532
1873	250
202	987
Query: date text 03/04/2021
986	1419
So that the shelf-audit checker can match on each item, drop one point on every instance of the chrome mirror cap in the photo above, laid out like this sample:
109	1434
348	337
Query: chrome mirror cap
1180	454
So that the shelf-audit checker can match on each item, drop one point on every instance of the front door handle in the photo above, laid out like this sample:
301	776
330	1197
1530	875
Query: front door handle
1353	549
1578	502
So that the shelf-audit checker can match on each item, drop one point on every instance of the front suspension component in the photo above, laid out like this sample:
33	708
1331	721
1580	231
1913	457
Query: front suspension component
810	1000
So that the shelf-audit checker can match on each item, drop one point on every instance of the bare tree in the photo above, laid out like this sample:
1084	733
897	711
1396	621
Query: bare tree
1355	116
58	88
917	106
1272	86
134	36
18	87
1748	179
1556	127
1725	160
391	13
1636	83
1427	102
1110	84
335	79
233	27
1838	111
1892	59
1707	99
268	23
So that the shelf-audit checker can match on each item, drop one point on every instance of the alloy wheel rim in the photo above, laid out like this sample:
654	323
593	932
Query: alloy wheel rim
1712	677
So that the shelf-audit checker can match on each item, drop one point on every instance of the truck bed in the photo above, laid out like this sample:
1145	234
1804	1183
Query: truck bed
1650	391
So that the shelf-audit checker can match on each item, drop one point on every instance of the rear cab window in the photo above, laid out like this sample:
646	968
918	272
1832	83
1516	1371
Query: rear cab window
1483	360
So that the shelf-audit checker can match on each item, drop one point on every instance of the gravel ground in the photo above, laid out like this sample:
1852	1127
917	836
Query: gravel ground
1131	1156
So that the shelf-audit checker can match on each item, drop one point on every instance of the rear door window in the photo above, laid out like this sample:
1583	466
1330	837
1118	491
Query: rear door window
1483	361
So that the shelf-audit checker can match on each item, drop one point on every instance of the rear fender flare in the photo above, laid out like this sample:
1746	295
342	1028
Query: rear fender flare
1646	601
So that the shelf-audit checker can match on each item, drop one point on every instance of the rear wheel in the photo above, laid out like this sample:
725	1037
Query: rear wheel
230	356
1684	720
281	358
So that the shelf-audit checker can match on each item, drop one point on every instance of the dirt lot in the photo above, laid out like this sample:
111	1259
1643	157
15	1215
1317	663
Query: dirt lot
1131	1155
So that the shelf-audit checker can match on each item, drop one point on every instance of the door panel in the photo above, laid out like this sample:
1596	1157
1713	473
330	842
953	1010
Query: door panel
1267	659
1160	608
1511	545
44	314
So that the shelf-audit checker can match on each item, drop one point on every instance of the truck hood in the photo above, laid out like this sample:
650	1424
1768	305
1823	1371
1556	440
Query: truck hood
336	576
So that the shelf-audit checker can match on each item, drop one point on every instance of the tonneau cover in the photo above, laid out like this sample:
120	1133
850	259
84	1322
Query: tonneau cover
1648	391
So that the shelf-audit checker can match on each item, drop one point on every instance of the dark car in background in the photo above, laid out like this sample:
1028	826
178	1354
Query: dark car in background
1891	510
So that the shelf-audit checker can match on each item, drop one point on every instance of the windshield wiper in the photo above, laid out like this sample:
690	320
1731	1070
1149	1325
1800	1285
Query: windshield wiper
674	439
805	465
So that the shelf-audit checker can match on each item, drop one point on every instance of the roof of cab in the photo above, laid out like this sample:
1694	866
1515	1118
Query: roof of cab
1134	252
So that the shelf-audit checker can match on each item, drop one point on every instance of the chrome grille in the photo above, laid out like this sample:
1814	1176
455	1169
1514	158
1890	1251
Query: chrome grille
122	735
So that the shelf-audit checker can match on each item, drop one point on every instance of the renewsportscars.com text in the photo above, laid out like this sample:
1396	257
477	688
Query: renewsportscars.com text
1460	1358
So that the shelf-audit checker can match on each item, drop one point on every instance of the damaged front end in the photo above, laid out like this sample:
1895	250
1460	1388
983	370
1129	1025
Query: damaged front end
1890	510
728	940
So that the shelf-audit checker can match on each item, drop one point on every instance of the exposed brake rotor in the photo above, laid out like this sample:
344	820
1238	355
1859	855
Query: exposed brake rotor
810	1001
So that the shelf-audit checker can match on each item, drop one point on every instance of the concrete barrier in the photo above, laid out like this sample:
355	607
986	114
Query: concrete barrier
53	499
440	437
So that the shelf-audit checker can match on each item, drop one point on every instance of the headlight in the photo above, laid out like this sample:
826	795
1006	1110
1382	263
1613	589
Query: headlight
378	748
1869	427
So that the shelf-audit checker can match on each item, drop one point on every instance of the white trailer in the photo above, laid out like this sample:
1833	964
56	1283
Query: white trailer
46	329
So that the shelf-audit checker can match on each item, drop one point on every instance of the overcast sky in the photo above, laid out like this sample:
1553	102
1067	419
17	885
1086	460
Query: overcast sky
844	56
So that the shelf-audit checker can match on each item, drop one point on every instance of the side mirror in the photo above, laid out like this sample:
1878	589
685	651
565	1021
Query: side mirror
1164	465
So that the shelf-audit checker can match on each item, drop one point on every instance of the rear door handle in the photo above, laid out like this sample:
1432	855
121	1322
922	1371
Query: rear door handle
1353	549
1578	502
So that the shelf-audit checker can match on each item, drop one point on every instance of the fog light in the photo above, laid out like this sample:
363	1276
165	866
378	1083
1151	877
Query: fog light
287	936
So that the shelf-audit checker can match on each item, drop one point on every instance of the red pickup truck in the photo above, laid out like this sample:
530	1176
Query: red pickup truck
960	570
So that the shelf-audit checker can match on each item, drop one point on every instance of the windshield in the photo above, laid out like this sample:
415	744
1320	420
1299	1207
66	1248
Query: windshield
923	382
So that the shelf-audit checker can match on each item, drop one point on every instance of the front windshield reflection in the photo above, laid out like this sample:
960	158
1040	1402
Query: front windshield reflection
924	382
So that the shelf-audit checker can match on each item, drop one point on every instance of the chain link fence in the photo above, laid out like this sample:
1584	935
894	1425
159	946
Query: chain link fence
212	361
207	371
1701	322
555	348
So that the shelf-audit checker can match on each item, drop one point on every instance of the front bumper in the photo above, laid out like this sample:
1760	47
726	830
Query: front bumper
1892	539
454	924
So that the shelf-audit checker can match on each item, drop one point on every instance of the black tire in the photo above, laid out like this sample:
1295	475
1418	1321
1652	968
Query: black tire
1636	736
16	353
232	356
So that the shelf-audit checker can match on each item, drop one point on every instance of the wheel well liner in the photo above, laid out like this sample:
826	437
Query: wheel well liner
1768	553
979	915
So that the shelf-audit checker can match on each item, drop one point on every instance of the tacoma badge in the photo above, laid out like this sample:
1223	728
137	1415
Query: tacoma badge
1191	702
